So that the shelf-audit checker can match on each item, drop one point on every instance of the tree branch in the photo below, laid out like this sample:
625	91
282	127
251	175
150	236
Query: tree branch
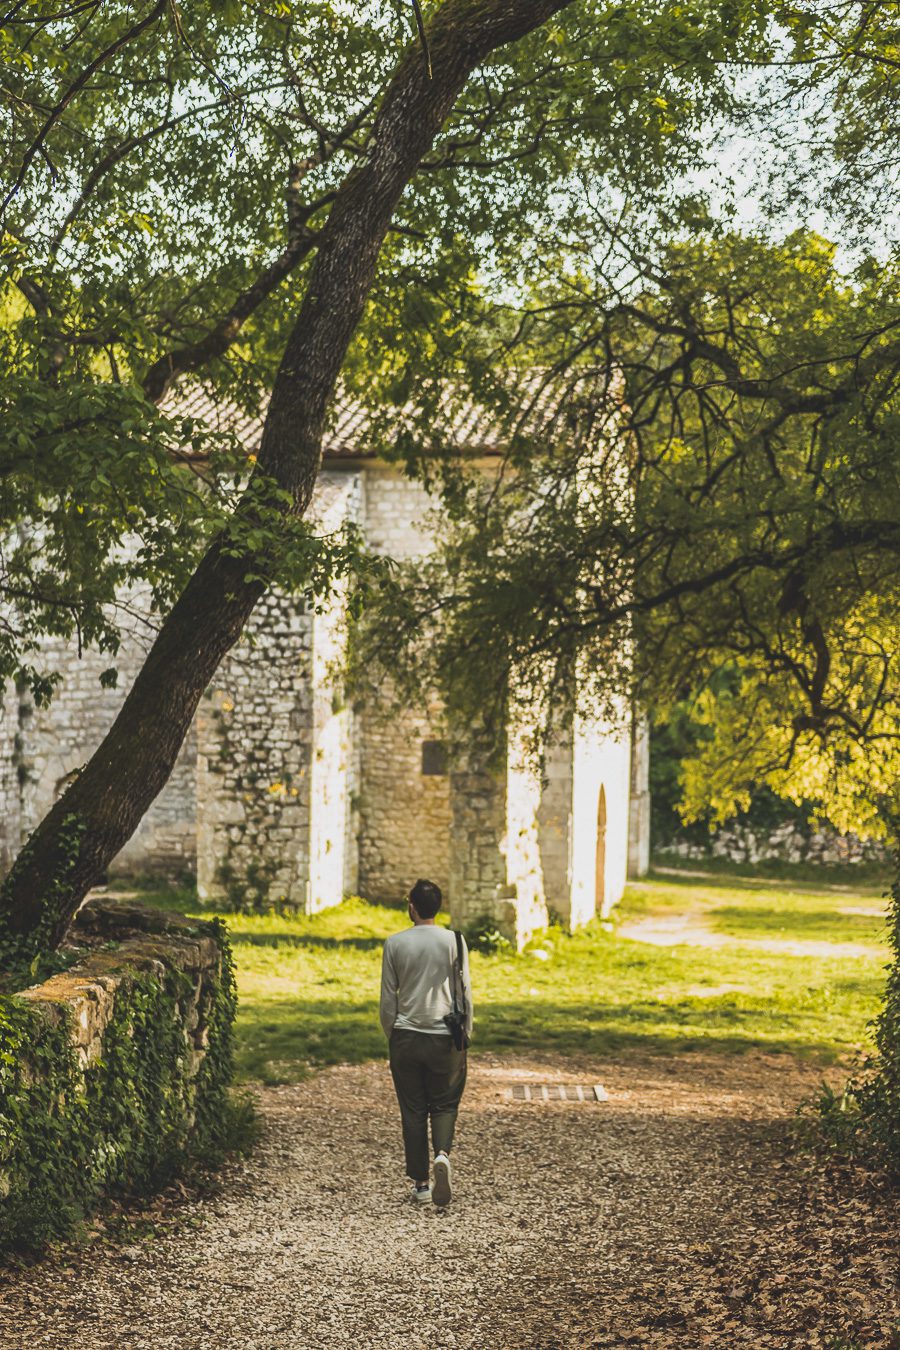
216	342
74	88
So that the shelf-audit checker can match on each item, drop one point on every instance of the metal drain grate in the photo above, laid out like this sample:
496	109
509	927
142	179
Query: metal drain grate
557	1092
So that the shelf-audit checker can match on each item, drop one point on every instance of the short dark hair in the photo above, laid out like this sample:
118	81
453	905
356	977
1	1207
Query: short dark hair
425	898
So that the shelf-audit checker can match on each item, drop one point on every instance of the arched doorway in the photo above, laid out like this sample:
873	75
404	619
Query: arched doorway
600	874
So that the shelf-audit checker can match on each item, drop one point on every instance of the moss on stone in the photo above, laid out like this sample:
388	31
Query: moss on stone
115	1073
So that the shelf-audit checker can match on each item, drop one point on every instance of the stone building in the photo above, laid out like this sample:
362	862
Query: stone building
285	794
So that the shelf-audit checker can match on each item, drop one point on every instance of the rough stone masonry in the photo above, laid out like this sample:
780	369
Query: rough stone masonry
285	794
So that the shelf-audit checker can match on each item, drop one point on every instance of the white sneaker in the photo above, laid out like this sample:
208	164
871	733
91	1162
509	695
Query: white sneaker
421	1196
440	1191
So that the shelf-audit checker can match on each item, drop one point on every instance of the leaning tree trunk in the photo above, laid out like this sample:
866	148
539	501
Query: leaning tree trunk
99	812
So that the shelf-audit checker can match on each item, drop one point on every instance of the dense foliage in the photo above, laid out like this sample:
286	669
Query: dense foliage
704	504
878	1096
673	744
128	1123
167	177
277	196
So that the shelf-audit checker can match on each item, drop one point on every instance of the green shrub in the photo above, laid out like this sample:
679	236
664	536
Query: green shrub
483	935
878	1094
831	1121
864	1119
128	1123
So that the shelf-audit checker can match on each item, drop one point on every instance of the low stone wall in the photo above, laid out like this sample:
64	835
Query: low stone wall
115	1071
738	843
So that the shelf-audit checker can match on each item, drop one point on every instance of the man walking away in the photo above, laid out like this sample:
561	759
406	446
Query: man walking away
420	975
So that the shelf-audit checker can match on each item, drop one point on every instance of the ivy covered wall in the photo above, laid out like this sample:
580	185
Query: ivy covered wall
115	1072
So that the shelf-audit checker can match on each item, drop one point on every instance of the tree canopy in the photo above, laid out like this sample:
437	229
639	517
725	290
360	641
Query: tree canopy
748	557
167	175
755	528
272	198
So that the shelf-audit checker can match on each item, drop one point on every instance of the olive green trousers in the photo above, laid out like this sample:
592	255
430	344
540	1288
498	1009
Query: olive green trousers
429	1075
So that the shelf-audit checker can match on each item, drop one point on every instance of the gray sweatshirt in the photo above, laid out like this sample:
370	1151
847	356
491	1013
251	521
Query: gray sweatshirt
416	971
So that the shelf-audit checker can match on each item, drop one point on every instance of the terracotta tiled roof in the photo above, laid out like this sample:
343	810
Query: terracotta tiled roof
218	414
351	427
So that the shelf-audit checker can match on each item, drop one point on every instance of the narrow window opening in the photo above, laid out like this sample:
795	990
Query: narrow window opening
434	759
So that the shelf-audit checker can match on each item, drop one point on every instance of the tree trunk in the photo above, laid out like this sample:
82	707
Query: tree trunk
100	811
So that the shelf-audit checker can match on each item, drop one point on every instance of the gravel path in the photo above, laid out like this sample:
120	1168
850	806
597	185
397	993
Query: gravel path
665	1216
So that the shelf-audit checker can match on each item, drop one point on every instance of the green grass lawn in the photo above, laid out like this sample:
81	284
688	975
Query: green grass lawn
308	986
872	875
753	908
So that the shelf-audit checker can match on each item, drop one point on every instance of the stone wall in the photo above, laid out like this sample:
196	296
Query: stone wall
254	729
399	514
479	887
11	832
42	748
276	768
601	761
115	1072
404	813
132	939
284	794
738	843
496	864
473	830
521	844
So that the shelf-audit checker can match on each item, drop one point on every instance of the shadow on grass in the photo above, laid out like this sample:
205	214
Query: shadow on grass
280	1040
848	878
765	919
180	900
360	944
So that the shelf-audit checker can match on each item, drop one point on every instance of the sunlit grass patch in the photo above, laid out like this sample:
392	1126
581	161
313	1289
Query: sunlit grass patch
854	876
774	910
309	985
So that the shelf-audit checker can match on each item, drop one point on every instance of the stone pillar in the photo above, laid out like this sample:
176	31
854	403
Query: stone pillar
639	812
334	764
524	858
255	734
496	871
13	769
478	880
555	828
333	780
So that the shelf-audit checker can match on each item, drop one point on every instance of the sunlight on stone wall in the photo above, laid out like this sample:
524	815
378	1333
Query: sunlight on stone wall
276	769
285	794
253	770
602	758
42	748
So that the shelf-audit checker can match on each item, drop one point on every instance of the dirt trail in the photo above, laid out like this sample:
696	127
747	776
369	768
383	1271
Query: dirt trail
690	926
665	1216
674	930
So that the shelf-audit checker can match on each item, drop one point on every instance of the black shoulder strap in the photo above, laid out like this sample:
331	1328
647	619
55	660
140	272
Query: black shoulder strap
461	1001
